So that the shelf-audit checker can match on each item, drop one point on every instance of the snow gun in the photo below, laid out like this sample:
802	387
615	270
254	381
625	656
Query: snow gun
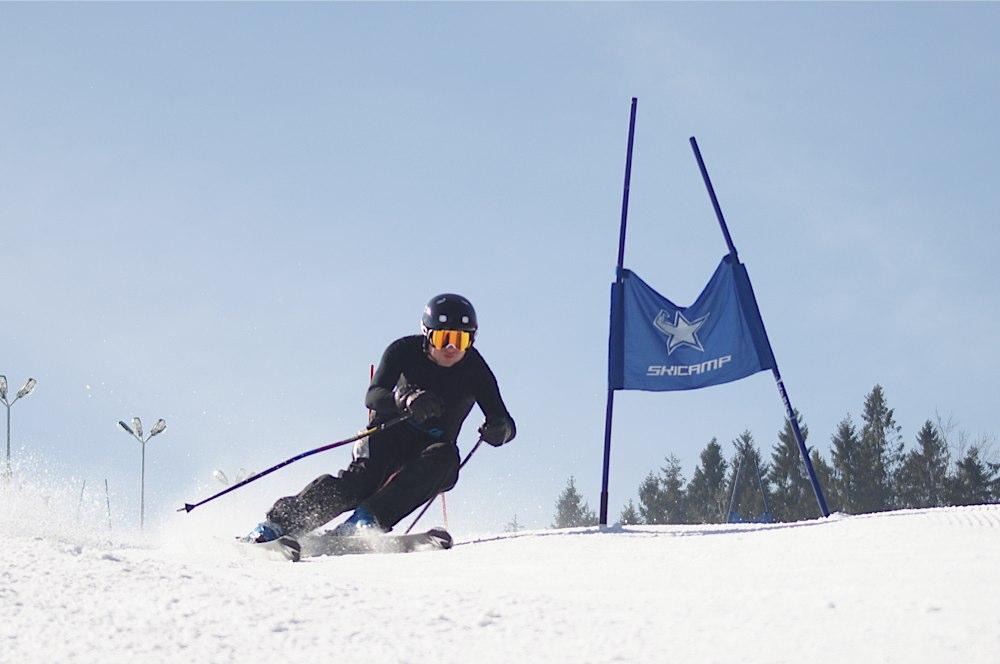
361	434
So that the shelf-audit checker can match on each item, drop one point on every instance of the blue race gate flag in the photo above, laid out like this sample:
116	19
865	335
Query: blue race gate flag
658	346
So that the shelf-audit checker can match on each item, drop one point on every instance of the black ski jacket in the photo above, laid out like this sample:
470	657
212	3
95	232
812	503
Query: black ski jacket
470	381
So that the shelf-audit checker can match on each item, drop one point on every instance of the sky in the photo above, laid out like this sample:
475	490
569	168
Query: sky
221	214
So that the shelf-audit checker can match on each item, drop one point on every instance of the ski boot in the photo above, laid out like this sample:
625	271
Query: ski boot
266	531
362	522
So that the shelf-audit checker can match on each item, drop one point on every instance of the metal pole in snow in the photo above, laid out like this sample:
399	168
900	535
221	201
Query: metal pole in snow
609	408
789	410
142	490
8	472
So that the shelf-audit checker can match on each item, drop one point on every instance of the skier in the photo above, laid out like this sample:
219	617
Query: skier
435	377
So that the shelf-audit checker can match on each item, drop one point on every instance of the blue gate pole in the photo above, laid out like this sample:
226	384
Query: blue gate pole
618	277
777	374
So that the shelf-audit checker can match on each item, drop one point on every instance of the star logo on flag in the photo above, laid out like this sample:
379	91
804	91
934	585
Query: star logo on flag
681	332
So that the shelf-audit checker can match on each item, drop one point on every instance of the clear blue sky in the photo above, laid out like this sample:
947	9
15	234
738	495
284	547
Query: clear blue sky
220	215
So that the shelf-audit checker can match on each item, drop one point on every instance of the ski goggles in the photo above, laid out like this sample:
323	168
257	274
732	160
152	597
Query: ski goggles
441	339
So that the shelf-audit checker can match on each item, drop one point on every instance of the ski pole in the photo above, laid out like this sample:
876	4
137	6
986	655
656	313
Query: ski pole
429	502
367	432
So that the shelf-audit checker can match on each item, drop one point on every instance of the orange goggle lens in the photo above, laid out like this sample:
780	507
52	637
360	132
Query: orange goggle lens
443	338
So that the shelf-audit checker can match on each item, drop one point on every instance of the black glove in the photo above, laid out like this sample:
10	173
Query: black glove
497	433
421	404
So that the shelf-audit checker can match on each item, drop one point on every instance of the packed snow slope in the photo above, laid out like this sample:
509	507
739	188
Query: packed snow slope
911	586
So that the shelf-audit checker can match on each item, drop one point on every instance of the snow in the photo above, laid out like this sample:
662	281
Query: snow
908	586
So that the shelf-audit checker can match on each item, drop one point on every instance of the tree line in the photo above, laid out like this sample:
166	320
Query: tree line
869	470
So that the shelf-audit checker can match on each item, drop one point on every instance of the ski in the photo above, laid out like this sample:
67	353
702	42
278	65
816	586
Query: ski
328	544
283	547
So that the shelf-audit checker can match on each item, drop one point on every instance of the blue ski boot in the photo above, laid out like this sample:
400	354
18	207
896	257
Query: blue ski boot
362	522
265	531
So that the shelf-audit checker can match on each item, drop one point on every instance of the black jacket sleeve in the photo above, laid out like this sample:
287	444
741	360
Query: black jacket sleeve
489	400
379	397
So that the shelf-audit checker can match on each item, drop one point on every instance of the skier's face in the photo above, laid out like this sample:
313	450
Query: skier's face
446	357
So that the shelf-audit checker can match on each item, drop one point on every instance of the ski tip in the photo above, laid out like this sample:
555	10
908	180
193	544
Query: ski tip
187	508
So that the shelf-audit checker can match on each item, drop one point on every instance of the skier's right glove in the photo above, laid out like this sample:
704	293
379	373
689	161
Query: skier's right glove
421	404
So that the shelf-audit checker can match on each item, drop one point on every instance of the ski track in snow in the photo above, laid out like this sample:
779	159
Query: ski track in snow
908	586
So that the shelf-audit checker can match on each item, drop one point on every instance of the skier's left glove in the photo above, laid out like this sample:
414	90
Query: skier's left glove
498	432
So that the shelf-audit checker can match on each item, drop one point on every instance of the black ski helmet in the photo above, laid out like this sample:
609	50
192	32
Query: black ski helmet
449	311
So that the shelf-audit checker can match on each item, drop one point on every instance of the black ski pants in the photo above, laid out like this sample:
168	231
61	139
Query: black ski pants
403	470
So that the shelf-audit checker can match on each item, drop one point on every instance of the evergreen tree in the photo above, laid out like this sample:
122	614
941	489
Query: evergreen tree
630	515
571	510
845	454
995	484
672	484
745	481
706	491
972	481
661	497
879	454
824	475
922	478
512	526
791	491
652	501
